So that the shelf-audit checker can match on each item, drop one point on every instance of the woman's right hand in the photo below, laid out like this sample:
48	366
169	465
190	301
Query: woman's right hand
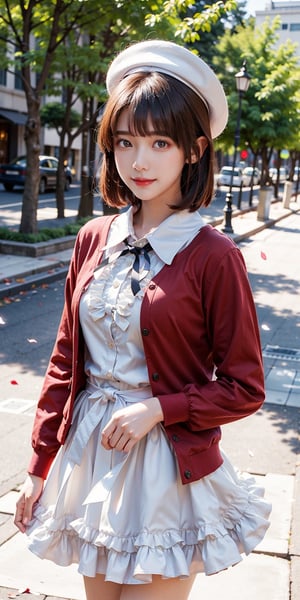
29	494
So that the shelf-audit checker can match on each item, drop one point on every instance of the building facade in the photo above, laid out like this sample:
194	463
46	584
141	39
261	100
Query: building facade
13	117
289	13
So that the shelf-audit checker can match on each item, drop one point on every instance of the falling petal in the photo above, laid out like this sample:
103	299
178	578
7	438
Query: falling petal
265	327
250	453
2	322
263	255
31	341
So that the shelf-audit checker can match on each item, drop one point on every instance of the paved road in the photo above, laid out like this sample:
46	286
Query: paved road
11	203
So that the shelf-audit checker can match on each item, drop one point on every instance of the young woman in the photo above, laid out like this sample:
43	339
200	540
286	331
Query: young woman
158	347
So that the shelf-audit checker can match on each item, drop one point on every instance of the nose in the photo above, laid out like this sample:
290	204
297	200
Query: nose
140	161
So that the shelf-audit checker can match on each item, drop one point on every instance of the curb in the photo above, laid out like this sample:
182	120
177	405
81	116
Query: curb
39	249
37	277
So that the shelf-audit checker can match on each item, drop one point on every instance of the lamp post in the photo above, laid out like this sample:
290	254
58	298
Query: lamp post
242	80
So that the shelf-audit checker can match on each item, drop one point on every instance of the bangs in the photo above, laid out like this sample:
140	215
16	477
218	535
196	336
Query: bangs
142	121
147	114
151	105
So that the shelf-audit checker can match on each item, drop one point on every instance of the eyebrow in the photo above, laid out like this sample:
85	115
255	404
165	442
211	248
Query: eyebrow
152	132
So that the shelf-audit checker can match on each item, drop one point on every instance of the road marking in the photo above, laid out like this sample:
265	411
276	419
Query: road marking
16	406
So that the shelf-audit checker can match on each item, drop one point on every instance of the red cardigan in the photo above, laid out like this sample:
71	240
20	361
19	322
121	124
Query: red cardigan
201	342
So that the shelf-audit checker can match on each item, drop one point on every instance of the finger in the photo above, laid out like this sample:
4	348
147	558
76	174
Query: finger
19	524
107	433
27	514
18	521
125	443
18	518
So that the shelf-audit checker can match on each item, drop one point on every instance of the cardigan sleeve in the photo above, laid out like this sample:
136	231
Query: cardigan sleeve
56	385
231	329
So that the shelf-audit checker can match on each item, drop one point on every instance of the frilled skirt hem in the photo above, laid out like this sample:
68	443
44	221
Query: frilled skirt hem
139	520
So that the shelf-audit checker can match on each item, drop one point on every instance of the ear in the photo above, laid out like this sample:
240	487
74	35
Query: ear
201	142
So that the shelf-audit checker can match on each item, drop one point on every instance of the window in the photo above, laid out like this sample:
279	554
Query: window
284	26
18	81
295	27
2	77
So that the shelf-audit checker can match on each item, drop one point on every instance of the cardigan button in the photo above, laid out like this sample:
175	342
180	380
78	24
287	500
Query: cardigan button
152	286
175	437
187	474
155	376
145	331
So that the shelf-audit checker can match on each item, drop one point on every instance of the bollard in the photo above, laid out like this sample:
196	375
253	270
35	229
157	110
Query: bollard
264	203
287	194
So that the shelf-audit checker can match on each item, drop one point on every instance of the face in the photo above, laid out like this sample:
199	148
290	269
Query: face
150	165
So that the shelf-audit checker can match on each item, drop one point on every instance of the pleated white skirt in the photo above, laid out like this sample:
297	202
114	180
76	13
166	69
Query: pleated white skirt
128	516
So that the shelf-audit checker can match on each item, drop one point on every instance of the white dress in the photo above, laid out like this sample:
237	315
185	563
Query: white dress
128	516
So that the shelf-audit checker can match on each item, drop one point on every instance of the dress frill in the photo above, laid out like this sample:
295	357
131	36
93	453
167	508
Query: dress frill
129	516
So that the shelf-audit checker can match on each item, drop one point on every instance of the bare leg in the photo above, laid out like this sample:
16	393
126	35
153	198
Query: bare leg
96	588
159	589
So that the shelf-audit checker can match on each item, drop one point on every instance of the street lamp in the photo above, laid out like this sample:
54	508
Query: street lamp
242	80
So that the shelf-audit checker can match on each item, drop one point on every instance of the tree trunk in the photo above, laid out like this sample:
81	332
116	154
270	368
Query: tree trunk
91	165
60	181
31	190
83	207
277	164
251	187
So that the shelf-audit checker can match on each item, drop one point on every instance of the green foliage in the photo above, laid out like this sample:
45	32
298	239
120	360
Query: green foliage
204	41
270	108
53	115
44	235
187	27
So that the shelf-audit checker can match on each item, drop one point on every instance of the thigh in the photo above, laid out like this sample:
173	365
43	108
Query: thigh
159	589
96	588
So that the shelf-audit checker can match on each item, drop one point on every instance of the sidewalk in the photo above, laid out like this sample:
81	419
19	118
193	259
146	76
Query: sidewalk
272	572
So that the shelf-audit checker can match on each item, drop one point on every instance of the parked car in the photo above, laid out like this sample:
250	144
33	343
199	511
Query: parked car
283	174
14	173
296	173
225	175
251	174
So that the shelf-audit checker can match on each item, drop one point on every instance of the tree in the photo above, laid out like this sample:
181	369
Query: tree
31	32
42	39
270	108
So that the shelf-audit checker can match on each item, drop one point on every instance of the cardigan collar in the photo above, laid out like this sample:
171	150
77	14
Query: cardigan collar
171	236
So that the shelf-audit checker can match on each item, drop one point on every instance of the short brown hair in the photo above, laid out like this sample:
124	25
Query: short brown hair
177	112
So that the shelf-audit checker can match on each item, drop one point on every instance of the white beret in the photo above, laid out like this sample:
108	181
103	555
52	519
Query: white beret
172	59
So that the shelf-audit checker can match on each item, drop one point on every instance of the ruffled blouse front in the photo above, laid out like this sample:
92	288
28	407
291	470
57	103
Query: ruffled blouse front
110	313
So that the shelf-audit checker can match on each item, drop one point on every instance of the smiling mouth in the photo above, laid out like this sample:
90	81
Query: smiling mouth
142	181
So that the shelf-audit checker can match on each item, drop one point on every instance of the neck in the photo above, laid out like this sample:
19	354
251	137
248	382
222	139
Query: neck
145	220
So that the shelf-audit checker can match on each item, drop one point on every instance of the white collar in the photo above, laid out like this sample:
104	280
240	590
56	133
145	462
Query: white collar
175	232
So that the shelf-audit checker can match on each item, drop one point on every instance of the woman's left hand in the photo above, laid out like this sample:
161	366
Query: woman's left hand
128	425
